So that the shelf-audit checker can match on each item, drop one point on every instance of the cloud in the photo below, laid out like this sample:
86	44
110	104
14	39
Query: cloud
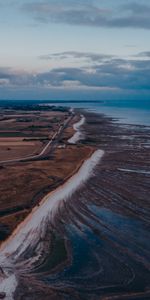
91	13
15	78
114	74
4	81
85	56
145	54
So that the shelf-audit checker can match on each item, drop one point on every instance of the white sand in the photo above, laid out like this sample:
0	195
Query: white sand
78	135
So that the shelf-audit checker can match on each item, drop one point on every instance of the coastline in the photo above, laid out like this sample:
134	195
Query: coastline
8	250
55	175
106	216
9	283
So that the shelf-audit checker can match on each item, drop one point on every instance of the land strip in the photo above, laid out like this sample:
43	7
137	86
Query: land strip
25	180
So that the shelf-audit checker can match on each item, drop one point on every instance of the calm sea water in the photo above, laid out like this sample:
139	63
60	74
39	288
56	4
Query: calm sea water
124	111
130	112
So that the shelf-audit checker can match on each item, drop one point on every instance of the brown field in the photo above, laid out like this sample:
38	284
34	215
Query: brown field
16	143
19	149
26	133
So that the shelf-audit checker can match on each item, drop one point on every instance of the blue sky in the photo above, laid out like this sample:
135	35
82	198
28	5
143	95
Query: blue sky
74	49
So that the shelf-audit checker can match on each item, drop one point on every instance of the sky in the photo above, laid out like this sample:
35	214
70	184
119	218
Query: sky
74	49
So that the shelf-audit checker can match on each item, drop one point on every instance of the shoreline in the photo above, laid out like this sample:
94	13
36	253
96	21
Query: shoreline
57	177
56	185
107	215
93	147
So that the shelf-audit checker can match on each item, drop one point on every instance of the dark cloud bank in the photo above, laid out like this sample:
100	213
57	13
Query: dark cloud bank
92	13
103	76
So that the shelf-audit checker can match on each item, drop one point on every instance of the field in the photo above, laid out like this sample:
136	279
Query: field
25	133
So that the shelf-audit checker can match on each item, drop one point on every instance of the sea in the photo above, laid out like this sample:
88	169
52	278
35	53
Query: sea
123	111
